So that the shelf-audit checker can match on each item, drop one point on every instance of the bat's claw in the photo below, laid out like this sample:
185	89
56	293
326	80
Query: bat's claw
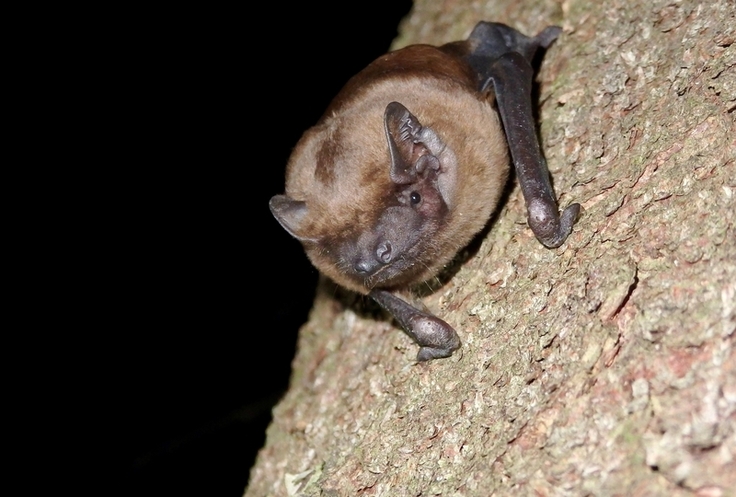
564	228
568	218
551	228
429	353
548	35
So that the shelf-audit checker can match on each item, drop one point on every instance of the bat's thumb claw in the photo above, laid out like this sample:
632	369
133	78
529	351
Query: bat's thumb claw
548	35
548	226
568	218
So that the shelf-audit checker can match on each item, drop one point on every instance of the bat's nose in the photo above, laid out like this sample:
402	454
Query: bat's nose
373	262
366	266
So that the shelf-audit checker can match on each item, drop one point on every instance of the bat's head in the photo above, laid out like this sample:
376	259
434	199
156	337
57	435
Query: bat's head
369	202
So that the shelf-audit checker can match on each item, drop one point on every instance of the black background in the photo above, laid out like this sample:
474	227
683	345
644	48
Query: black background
209	290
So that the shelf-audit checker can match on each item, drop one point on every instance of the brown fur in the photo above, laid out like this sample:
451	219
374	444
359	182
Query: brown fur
340	167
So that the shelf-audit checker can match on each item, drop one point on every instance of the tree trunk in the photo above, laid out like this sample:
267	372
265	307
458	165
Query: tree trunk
604	367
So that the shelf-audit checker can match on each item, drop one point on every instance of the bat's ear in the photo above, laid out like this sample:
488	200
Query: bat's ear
291	214
409	154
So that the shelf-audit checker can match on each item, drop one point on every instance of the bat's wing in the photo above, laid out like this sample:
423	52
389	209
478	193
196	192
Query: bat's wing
501	56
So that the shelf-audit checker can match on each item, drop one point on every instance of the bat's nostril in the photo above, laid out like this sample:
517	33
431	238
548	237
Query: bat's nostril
383	253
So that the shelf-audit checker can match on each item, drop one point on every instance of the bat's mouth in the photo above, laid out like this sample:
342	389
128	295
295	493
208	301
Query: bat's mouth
399	271
378	277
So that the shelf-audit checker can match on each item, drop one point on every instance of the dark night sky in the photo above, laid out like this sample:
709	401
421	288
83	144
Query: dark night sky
211	290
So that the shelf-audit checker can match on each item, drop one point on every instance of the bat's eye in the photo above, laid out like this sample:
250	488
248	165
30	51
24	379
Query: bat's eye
415	198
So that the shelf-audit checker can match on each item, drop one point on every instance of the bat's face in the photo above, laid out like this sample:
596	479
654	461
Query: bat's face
396	248
369	209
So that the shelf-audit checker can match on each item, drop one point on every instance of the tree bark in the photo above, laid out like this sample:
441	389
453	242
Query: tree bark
604	367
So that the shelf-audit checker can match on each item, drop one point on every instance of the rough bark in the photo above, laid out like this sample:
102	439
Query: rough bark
604	367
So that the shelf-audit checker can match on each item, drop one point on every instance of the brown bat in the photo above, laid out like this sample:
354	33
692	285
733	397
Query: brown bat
408	163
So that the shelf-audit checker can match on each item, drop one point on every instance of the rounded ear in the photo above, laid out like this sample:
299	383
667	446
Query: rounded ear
291	214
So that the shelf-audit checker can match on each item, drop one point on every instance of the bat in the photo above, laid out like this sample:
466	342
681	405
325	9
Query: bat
408	163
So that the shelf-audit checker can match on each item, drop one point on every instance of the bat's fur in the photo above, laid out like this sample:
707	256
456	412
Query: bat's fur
340	168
